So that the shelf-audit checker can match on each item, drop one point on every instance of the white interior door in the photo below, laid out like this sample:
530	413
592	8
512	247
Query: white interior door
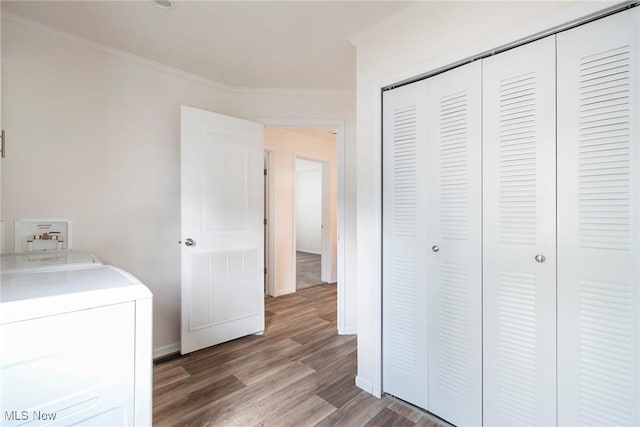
222	228
454	218
519	293
599	222
404	245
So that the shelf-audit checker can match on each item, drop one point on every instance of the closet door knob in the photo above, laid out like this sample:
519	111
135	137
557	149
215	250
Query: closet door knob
435	248
540	258
189	242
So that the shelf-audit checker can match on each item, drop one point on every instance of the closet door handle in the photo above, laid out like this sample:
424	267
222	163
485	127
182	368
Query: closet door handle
540	258
435	248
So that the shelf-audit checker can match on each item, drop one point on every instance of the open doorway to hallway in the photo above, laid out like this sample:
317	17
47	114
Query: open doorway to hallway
302	206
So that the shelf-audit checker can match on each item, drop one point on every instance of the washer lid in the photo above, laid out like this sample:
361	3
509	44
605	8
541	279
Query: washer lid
46	261
29	295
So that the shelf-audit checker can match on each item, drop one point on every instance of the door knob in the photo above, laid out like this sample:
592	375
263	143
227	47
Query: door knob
540	258
435	248
189	242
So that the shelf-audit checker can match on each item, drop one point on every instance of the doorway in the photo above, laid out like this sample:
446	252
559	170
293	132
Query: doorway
280	139
309	219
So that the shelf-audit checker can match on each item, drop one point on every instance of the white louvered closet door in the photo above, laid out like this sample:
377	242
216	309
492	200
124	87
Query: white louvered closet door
599	222
519	293
454	168
404	253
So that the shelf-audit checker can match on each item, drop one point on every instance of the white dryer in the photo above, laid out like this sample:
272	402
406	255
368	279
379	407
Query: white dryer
75	343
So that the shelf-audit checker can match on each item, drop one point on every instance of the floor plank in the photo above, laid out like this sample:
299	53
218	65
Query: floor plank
299	373
307	270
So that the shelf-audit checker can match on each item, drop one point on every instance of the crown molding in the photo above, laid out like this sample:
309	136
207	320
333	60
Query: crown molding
167	68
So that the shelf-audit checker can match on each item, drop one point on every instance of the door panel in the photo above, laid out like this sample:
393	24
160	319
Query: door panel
404	286
519	294
598	222
454	222
222	211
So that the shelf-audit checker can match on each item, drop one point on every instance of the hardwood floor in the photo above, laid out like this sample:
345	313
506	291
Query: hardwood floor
299	373
307	270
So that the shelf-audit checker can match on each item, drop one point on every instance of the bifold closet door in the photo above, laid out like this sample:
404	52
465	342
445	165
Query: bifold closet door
454	221
404	244
519	262
599	222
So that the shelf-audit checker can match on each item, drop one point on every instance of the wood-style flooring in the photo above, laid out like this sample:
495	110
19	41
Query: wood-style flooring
299	373
307	270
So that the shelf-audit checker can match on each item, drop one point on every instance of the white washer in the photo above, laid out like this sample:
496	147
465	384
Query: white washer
47	261
75	345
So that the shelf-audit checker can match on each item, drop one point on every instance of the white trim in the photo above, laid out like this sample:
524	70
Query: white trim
347	331
366	386
167	68
284	292
270	243
165	350
339	126
290	91
376	381
294	222
327	266
307	251
582	11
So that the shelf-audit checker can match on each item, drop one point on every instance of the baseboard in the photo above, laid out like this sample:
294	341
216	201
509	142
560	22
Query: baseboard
348	331
365	385
284	292
166	349
306	251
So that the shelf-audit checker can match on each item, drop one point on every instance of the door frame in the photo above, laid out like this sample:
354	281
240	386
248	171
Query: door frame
269	247
338	125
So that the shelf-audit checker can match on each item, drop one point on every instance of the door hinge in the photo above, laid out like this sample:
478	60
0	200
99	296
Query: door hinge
265	221
2	145
265	172
265	271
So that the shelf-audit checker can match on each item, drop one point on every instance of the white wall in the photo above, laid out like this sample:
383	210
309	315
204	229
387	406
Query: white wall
286	144
309	210
419	39
94	136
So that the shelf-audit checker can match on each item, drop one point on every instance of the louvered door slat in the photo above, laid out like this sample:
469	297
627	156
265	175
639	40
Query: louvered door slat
454	224
405	328
519	223
598	222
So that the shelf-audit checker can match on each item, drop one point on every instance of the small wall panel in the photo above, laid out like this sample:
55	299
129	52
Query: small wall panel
223	287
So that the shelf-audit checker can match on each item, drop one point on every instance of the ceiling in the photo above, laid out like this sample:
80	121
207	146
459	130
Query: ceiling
248	44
